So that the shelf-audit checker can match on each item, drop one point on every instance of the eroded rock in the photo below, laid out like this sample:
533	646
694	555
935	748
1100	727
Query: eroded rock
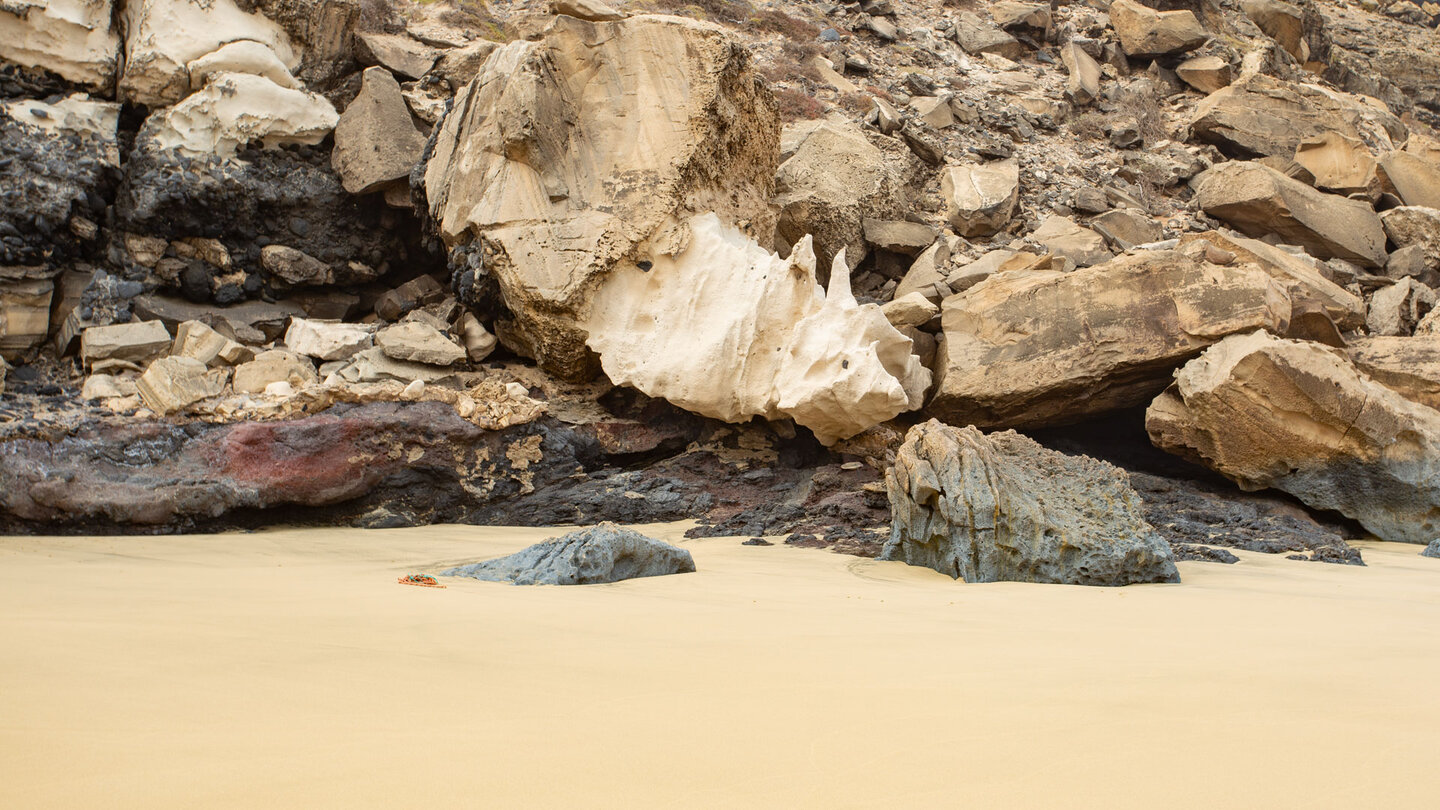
376	143
593	556
980	199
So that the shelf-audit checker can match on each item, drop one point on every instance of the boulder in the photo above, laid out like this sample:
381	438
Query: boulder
1399	308
1204	73
479	343
912	309
396	53
934	111
1415	179
1262	115
833	178
1309	288
1260	201
371	365
137	341
413	294
24	313
1339	164
1032	19
1409	366
575	155
376	142
1432	550
1083	84
236	109
163	36
1299	417
198	341
1125	228
418	343
1413	226
292	266
980	199
927	274
171	384
590	556
1146	33
328	341
730	330
999	507
74	40
271	367
1068	240
242	56
593	10
1030	348
1282	22
979	37
898	236
105	386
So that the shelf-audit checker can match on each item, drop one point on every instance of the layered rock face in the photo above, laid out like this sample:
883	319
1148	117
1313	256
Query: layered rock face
729	330
999	507
593	556
566	155
1299	417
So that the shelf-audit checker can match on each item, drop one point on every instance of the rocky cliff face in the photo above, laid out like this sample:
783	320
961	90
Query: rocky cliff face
437	236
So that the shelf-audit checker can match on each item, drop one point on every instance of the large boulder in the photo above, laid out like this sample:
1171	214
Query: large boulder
835	177
1415	179
1283	22
980	198
376	142
580	151
1264	116
74	40
1259	201
593	556
1410	366
731	331
1414	226
1146	33
236	109
1299	417
1339	164
1310	289
999	507
1042	347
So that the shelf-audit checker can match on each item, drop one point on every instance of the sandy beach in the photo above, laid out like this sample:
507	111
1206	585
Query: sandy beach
289	669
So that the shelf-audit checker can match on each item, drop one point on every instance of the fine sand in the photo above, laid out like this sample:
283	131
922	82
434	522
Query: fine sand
289	669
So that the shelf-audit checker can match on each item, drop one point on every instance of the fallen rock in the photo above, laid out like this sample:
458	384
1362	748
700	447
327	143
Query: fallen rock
24	314
376	142
537	162
1083	84
593	556
1432	550
1145	33
1068	240
912	309
980	199
242	56
1041	347
172	383
72	40
1412	226
1262	115
1282	22
729	330
328	341
1339	164
479	343
273	366
106	386
418	343
927	274
999	507
979	37
236	109
1126	228
292	266
396	53
1204	73
372	365
1399	308
1409	366
1297	416
1416	180
898	236
1260	201
137	341
1308	287
163	36
198	341
592	10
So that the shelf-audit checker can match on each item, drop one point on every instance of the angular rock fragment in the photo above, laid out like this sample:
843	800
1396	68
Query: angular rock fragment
288	265
198	341
328	341
1413	226
979	37
479	343
1263	115
1299	417
593	10
376	142
372	365
1399	308
418	343
172	383
396	53
1260	201
1283	22
909	238
241	56
980	199
1339	164
271	367
1309	288
1145	33
1068	240
1410	366
1083	84
236	109
138	341
24	312
1417	180
1432	550
593	556
999	507
1204	73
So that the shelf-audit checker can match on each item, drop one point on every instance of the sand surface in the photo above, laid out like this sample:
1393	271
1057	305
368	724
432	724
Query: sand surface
288	669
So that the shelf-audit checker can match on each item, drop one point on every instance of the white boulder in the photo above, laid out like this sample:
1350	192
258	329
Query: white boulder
71	38
164	36
237	108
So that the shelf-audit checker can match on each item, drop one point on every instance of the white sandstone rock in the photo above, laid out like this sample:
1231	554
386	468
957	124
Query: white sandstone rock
71	38
236	108
164	36
244	56
76	114
328	341
730	330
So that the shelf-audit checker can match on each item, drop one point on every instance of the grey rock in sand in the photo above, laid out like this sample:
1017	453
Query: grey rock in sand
1432	550
999	507
599	554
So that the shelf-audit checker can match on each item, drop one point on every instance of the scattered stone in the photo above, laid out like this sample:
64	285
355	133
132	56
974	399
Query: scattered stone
592	10
137	341
198	341
371	365
593	556
418	343
1145	33
293	266
395	53
1204	73
979	37
1068	240
1083	84
1416	180
999	507
1283	22
376	142
328	341
173	383
1262	115
912	309
1411	226
980	199
417	292
1126	228
1398	308
1339	164
909	238
270	367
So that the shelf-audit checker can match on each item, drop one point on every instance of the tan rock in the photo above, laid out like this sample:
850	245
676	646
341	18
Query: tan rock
898	236
593	10
1262	115
418	343
235	109
1397	309
106	386
1068	240
980	199
1409	366
24	314
996	261
73	40
479	343
1413	226
198	341
1308	287
241	56
934	111
1415	179
1145	33
1283	22
579	152
328	341
137	341
1259	201
1126	228
1204	73
912	309
376	142
927	274
270	367
1339	164
1083	84
1040	347
1299	417
293	266
396	53
979	37
173	383
371	365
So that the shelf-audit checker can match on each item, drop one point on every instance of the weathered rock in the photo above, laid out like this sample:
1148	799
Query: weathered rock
1083	84
1126	228
138	341
105	386
1283	22
291	265
593	10
328	341
1432	550
1308	287
1027	18
479	343
396	53
979	37
593	556
980	199
934	111
1417	180
927	274
729	330
577	153
417	292
418	343
898	236
1204	73
1397	309
265	320
1041	347
372	365
912	309
4	370
1412	226
271	367
172	383
236	109
163	36
1262	115
72	40
1068	240
1145	33
1297	416
376	142
242	56
833	178
1339	164
1409	366
1259	201
24	313
198	341
1002	508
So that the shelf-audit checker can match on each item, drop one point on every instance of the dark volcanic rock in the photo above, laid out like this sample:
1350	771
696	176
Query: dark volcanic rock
599	554
1432	550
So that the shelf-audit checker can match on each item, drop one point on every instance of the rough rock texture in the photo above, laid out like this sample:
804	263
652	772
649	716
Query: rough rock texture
729	330
1339	164
1432	550
236	109
1415	179
1263	116
1030	348
1267	412
242	56
1260	201
418	343
1412	226
163	36
593	556
979	200
1145	33
575	153
376	143
1002	508
1410	366
74	39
